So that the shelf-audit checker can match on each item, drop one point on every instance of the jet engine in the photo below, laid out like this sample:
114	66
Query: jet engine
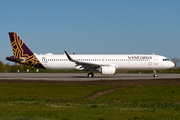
79	67
108	70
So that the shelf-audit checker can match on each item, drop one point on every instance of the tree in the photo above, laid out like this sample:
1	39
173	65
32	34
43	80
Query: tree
176	61
1	66
13	68
20	67
7	68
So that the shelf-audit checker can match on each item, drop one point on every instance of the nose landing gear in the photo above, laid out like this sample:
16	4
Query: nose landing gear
155	75
154	72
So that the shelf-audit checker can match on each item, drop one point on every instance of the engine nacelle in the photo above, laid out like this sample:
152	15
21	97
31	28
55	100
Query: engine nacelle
108	70
79	67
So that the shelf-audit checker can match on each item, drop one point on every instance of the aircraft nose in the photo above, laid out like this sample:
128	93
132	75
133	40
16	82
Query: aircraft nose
171	64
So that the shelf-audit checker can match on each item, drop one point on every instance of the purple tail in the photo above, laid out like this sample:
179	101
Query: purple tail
22	54
20	49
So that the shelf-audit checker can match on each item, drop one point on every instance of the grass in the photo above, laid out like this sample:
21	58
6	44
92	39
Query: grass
42	101
145	94
35	91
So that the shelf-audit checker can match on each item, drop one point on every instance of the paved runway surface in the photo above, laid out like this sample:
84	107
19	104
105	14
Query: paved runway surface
83	76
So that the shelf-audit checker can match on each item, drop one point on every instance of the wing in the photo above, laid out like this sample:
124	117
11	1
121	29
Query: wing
87	66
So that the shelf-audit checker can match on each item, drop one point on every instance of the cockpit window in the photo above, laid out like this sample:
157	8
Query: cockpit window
165	59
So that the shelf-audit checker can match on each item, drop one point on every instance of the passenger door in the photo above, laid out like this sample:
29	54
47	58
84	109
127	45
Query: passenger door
155	61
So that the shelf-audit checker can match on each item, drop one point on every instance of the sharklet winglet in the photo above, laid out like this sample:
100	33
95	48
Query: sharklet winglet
69	57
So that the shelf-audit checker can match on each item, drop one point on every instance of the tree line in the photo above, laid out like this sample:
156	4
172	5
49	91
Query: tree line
14	68
25	69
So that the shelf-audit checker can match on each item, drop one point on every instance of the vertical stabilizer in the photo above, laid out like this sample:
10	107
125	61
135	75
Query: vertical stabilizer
22	54
20	49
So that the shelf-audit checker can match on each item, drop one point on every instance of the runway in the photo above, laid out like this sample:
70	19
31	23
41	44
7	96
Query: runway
83	76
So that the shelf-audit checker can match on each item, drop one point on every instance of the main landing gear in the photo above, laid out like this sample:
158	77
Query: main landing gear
90	74
154	72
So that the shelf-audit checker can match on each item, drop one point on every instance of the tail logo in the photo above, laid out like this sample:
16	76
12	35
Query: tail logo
20	50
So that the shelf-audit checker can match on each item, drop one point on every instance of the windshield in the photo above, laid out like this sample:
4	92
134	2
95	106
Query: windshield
165	59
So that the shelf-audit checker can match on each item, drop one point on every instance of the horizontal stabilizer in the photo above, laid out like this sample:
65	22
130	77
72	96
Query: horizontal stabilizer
13	59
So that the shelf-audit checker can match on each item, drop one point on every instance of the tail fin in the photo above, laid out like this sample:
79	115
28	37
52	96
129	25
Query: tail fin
20	49
22	54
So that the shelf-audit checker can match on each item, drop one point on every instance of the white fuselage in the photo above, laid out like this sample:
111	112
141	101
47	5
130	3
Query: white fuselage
122	62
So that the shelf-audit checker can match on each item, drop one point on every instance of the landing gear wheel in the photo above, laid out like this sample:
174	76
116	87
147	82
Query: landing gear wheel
155	75
90	75
154	72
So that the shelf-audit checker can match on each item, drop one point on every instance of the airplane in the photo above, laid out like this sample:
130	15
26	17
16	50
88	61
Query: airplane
105	64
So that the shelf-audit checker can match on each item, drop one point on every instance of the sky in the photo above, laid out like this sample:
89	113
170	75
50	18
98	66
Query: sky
92	26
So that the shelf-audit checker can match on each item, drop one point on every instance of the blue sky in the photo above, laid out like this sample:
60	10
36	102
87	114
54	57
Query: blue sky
92	26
